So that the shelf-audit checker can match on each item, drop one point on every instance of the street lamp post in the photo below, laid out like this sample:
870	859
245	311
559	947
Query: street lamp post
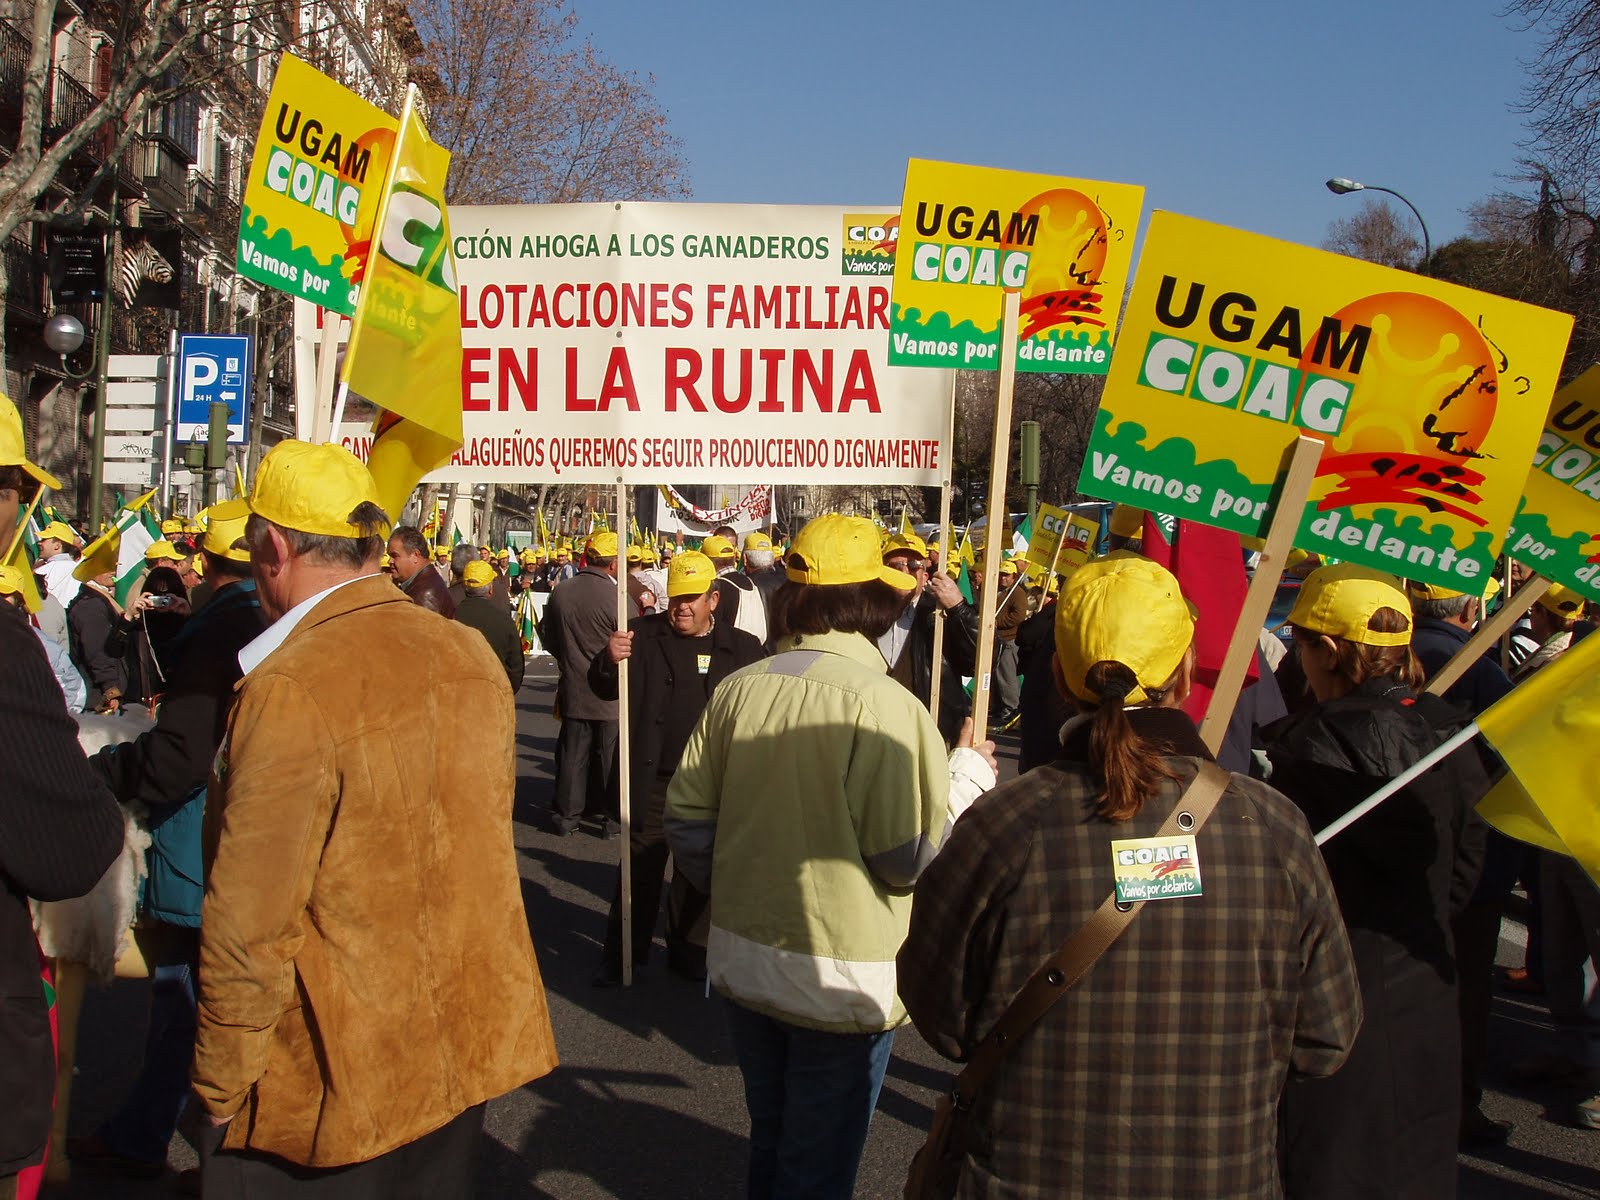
1343	187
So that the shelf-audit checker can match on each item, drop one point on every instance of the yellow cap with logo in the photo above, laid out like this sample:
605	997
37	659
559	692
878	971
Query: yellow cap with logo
1340	600
306	487
756	540
691	574
836	549
503	555
14	447
478	574
1126	610
603	544
441	552
1563	602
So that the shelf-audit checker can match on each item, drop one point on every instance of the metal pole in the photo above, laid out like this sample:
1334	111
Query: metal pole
97	458
169	411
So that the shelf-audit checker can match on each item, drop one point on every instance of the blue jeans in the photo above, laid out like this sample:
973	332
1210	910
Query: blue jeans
144	1124
810	1096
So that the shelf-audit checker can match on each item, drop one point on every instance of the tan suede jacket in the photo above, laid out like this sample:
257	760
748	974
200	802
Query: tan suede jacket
365	964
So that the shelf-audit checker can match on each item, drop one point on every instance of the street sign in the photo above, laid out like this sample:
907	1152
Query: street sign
213	368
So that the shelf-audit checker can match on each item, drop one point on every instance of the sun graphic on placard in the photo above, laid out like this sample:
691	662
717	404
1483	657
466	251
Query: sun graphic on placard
1066	261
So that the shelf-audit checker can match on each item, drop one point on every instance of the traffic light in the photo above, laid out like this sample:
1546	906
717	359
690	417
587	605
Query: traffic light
217	438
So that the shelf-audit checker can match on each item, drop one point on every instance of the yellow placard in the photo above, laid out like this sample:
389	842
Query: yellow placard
312	192
1429	398
968	234
1557	528
1057	527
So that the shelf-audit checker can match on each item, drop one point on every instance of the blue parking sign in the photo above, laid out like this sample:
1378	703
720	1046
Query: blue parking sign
213	368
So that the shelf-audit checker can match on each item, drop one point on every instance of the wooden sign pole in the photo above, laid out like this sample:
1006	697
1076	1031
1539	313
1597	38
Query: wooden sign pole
322	428
1287	515
624	764
998	464
1488	633
945	548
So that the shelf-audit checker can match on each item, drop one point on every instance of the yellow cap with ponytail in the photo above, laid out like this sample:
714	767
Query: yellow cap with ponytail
1126	610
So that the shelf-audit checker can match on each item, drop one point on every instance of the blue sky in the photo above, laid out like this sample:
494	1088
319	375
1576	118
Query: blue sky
1234	112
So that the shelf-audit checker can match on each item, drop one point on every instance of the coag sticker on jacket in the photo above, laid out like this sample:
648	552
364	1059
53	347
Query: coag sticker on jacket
1157	868
703	661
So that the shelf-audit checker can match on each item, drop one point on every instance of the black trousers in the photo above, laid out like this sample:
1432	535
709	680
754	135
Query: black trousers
586	771
688	908
1477	937
437	1166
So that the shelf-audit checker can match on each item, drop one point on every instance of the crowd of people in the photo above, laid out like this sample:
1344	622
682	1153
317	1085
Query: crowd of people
1172	989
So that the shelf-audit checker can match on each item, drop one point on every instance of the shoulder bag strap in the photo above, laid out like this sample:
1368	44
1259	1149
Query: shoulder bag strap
1079	952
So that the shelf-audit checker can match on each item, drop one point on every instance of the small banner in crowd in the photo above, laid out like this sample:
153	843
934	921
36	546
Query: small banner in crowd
1557	528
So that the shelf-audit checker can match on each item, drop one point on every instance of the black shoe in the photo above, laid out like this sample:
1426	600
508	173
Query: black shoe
608	976
562	831
611	831
685	967
1479	1129
92	1151
1005	720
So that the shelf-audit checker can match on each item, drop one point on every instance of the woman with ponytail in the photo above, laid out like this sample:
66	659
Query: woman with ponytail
1159	1073
1387	1125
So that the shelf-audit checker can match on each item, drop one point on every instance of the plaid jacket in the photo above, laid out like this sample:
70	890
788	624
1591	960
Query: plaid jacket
1159	1074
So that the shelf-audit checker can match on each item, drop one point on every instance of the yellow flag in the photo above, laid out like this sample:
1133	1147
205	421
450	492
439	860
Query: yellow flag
1548	731
17	556
405	341
136	505
544	532
905	522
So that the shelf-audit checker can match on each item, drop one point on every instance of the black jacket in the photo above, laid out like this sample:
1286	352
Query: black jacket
651	690
580	617
163	767
428	589
91	622
960	652
499	630
1386	1124
59	831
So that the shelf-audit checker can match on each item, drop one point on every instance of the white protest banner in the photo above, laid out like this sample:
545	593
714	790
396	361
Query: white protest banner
685	343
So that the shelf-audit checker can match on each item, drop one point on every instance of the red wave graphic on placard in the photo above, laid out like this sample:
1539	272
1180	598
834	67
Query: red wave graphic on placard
1431	483
1074	306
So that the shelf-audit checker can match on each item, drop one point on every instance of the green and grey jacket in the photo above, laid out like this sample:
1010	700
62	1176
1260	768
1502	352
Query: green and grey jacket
812	794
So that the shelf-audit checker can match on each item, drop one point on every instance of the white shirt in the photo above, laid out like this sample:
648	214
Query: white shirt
57	571
893	643
278	632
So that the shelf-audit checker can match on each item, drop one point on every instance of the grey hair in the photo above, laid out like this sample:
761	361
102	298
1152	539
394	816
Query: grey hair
478	590
1439	610
759	559
329	549
460	557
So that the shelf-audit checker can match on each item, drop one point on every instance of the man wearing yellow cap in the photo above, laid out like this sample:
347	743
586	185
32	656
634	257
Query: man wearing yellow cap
56	562
1011	610
165	772
93	617
1550	620
761	566
364	948
741	604
675	661
810	796
479	610
581	616
908	645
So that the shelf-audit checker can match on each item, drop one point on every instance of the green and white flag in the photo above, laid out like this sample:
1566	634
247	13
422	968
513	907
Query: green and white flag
137	530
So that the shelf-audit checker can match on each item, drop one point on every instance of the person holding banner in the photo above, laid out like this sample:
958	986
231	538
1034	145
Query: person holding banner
908	645
1011	610
675	660
810	796
1387	1125
1159	1073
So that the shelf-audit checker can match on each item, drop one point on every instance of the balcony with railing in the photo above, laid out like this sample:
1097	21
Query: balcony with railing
14	50
165	175
70	103
22	278
202	194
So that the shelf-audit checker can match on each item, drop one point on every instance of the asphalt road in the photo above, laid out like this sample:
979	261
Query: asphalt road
647	1103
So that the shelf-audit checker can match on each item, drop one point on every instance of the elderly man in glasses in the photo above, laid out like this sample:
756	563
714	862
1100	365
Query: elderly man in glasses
908	645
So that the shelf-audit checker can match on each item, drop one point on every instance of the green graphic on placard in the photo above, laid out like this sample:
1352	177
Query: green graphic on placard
279	263
1573	560
914	342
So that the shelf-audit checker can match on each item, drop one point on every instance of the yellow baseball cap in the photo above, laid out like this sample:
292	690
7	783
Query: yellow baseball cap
1418	590
1562	602
13	446
478	573
1127	522
638	554
306	487
503	555
756	540
528	554
718	548
1340	601
11	583
61	531
691	574
221	535
1008	564
905	541
603	544
441	551
836	549
171	526
162	550
99	556
1125	610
